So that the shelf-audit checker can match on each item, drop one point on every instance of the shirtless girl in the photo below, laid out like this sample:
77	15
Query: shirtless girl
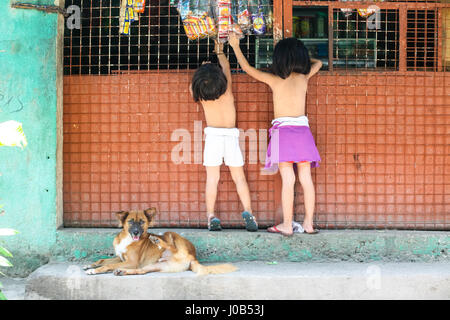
291	139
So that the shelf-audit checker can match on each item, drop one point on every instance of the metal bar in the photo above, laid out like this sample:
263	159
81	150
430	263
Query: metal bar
277	20
48	9
287	11
362	4
330	38
438	43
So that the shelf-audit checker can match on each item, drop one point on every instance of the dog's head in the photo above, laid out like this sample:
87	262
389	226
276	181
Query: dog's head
136	223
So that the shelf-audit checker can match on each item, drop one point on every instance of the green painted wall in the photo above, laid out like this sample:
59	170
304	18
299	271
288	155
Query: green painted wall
28	94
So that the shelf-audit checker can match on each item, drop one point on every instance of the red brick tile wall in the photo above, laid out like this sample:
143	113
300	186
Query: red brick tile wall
383	138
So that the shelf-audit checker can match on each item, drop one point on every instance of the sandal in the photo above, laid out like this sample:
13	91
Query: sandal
214	224
316	231
250	223
274	229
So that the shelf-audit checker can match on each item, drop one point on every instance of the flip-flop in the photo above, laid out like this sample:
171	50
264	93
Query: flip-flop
250	223
214	224
274	229
314	232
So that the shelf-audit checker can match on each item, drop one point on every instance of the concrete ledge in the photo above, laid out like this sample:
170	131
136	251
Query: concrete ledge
253	281
239	245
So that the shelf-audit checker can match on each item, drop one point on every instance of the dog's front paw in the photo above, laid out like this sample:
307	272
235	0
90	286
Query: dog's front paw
90	271
119	272
154	239
88	266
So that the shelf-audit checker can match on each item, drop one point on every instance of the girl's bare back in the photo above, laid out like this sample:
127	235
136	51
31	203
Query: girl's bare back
289	95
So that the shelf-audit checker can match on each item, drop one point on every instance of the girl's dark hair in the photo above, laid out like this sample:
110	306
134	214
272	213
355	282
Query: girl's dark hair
208	83
290	55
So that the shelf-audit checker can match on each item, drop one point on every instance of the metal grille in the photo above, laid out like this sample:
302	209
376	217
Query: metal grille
422	40
364	42
380	124
157	41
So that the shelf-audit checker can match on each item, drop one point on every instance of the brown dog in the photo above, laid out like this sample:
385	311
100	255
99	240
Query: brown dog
140	252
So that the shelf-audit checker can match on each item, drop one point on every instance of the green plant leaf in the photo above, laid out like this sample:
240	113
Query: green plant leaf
2	296
8	232
4	252
4	262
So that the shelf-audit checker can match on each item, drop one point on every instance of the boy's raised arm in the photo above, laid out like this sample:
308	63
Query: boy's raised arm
223	61
262	76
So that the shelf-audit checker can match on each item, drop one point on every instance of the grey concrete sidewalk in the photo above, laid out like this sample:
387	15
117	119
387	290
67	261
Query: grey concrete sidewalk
254	281
13	288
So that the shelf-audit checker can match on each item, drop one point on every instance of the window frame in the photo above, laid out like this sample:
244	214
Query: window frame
402	7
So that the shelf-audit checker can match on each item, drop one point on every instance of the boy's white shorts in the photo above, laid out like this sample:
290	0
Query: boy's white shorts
222	144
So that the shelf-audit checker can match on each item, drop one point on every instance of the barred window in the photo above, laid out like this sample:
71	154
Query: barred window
365	41
422	40
157	41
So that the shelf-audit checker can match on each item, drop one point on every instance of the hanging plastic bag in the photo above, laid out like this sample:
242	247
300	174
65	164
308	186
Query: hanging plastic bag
244	17
347	12
266	9
204	17
197	19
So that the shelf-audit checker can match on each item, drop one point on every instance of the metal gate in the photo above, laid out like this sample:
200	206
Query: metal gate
379	112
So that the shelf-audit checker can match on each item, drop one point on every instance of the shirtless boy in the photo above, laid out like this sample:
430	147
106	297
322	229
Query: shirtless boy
211	86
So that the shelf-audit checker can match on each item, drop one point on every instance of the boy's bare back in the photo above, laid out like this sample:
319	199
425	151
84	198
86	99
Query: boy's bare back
220	113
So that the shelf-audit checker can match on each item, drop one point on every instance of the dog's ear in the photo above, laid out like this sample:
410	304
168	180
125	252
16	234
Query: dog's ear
121	216
150	214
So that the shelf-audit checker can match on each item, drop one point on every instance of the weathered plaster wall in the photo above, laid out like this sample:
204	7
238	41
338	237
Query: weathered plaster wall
28	94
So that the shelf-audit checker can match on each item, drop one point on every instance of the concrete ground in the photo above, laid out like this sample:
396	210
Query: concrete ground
13	288
255	280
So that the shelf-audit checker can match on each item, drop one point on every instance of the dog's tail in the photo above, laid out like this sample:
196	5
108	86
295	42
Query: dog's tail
214	269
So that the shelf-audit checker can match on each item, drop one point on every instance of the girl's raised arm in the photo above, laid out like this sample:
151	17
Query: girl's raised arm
315	67
259	75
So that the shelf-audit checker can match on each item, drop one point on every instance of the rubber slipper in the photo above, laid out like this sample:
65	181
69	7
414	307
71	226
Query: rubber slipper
250	223
314	232
274	229
214	224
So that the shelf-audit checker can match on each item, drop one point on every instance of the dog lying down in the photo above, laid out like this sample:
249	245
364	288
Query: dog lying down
140	252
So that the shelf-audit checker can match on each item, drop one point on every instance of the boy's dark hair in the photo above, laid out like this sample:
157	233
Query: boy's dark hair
208	83
290	55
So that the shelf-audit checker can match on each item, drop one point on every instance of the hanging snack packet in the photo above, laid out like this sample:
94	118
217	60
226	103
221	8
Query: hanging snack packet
183	10
365	13
127	15
139	6
224	19
258	22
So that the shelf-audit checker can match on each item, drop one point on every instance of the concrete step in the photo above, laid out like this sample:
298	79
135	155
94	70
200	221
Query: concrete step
255	280
80	245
